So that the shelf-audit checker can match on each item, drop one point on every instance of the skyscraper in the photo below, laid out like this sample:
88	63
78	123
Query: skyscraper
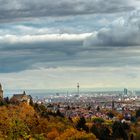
125	91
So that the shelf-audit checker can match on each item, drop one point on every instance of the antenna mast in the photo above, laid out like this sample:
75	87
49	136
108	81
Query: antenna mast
78	88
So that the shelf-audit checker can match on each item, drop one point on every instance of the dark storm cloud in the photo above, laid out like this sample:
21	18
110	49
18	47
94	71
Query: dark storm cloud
18	9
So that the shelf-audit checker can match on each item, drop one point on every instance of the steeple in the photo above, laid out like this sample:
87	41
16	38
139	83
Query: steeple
1	91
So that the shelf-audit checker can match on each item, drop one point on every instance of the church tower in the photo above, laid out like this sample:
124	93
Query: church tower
1	91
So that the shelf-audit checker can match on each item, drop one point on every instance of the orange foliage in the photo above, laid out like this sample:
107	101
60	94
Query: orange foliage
53	134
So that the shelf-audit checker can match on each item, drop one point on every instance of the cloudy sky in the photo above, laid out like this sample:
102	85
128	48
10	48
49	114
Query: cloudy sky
47	44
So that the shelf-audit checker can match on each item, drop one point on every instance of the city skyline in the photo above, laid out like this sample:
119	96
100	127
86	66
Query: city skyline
55	44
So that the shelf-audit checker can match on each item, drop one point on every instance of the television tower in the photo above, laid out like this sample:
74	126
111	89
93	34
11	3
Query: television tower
78	88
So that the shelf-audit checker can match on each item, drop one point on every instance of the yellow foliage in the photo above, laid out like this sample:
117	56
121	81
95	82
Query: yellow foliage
120	116
75	119
108	122
73	134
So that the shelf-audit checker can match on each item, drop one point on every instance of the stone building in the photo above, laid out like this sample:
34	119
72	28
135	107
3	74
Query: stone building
17	98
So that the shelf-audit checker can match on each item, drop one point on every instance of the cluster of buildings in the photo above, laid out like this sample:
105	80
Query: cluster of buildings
79	105
93	106
90	107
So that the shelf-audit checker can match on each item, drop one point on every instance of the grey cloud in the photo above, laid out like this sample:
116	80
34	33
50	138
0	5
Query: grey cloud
12	10
115	37
21	57
127	34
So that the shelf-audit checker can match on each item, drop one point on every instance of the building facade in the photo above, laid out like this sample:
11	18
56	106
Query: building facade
17	98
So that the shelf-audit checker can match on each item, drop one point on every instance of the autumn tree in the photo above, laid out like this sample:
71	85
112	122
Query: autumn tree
73	134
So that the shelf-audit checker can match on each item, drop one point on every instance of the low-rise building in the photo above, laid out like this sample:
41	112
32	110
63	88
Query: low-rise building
17	98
